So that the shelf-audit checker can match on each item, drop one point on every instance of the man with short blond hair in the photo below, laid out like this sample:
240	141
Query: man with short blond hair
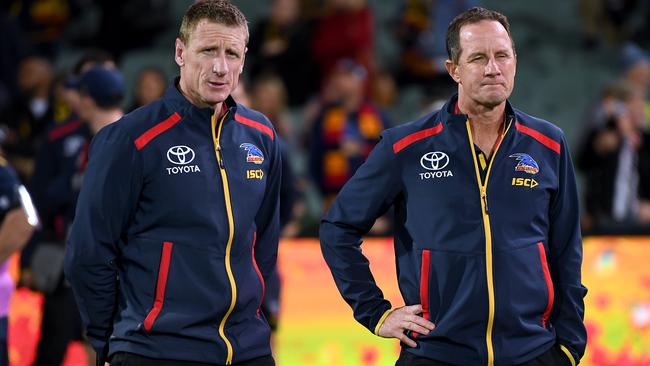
176	228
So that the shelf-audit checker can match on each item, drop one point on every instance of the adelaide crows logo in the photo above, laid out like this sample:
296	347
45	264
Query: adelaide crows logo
526	163
254	154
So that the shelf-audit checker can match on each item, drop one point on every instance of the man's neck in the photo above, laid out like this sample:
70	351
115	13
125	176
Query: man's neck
486	123
103	118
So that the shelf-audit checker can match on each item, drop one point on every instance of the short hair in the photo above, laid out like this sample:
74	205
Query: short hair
471	16
217	11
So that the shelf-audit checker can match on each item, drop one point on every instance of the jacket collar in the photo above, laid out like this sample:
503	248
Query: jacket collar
177	101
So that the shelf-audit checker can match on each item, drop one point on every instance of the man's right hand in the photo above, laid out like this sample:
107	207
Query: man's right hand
403	319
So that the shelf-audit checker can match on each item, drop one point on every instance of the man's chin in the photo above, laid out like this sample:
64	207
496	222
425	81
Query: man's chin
491	101
213	101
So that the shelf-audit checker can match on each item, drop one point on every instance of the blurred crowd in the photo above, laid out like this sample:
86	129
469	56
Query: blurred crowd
311	67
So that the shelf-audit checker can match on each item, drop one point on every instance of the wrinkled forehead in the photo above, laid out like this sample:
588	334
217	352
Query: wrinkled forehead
210	32
205	28
484	35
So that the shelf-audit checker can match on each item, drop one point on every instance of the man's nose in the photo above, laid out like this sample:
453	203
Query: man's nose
492	67
219	65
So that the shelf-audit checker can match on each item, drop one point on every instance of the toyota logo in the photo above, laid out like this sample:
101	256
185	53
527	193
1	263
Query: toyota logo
434	160
180	155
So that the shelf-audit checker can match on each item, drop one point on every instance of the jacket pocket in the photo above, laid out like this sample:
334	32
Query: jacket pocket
424	284
549	283
161	284
259	274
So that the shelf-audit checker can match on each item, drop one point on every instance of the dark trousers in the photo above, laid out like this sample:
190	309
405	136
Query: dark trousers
552	357
131	359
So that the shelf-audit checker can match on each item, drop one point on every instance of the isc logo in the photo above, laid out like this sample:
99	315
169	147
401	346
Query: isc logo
525	182
254	174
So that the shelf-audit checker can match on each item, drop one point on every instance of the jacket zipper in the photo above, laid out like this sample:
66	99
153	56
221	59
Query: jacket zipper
231	233
259	274
161	285
549	283
482	187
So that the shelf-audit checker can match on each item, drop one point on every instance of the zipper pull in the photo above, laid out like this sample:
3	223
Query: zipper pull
220	158
485	201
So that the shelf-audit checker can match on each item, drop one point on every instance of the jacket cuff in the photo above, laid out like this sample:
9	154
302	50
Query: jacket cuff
381	320
569	355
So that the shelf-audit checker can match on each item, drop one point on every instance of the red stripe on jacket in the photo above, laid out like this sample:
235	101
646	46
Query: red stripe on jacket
163	272
259	274
61	131
249	122
424	285
540	137
549	284
156	130
417	136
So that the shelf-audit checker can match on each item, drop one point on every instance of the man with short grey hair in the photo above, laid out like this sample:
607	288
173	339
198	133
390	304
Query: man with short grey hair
487	233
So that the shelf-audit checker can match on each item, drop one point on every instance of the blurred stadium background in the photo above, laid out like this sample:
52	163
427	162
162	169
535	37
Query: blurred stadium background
562	70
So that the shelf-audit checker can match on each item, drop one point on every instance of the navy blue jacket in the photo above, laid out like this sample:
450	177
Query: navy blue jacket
183	210
493	255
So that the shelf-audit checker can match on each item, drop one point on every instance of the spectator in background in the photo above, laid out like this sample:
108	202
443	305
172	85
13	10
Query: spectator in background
384	90
280	45
62	163
345	130
17	222
150	86
614	157
269	96
420	32
635	65
55	163
43	22
345	31
30	115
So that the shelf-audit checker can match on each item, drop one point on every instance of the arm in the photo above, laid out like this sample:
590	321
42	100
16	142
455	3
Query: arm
368	194
14	232
106	204
19	220
267	219
565	245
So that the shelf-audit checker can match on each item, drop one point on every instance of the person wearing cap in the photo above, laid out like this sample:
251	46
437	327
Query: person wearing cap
177	223
54	195
635	67
101	91
487	233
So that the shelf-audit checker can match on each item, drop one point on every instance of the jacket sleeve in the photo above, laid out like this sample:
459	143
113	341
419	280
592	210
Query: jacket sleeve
365	197
565	245
267	219
105	207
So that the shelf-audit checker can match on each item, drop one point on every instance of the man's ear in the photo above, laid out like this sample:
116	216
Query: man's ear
179	52
241	69
452	70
